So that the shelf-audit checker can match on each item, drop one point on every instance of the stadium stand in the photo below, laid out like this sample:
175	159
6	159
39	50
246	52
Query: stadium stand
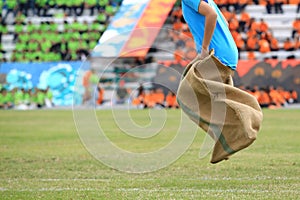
55	28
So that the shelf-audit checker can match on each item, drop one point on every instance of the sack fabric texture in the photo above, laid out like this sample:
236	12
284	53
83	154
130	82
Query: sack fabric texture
231	116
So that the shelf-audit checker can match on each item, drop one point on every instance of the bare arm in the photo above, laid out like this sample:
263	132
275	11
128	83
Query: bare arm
210	23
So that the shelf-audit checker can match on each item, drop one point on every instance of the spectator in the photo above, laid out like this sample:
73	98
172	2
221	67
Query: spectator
122	93
3	28
92	4
27	97
176	14
263	26
6	99
44	26
233	24
186	31
171	101
18	29
254	26
31	27
141	90
96	26
77	6
82	50
250	33
148	102
252	43
234	4
11	7
2	52
294	96
251	55
100	96
159	97
276	97
51	3
177	25
110	10
288	45
285	94
52	26
255	92
89	82
139	99
1	8
274	43
264	99
296	27
61	4
179	54
73	45
63	48
20	17
18	96
244	20
38	98
102	4
45	44
269	5
278	6
264	46
238	40
242	5
33	45
101	17
42	7
24	6
75	26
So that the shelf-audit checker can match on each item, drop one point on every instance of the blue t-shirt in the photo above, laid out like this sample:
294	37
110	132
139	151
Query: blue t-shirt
222	41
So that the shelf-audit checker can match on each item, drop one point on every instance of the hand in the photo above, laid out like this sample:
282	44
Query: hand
204	53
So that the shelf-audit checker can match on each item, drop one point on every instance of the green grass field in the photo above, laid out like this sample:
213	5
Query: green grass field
42	157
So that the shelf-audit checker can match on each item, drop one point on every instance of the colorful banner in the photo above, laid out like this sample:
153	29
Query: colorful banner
60	77
250	73
134	28
285	73
120	29
147	28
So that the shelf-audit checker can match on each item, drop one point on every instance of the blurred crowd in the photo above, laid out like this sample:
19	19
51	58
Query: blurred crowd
267	97
41	7
155	98
48	40
19	98
22	99
272	97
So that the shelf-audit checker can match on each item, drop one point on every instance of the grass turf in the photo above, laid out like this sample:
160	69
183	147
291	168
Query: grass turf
42	157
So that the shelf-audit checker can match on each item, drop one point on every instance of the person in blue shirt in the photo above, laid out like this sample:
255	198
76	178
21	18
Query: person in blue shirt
210	31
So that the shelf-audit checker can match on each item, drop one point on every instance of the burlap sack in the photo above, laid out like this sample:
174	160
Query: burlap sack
229	115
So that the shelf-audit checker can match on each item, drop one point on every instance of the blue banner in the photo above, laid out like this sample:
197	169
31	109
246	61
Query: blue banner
60	77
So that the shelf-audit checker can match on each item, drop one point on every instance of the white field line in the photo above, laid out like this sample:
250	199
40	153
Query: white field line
152	190
153	179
